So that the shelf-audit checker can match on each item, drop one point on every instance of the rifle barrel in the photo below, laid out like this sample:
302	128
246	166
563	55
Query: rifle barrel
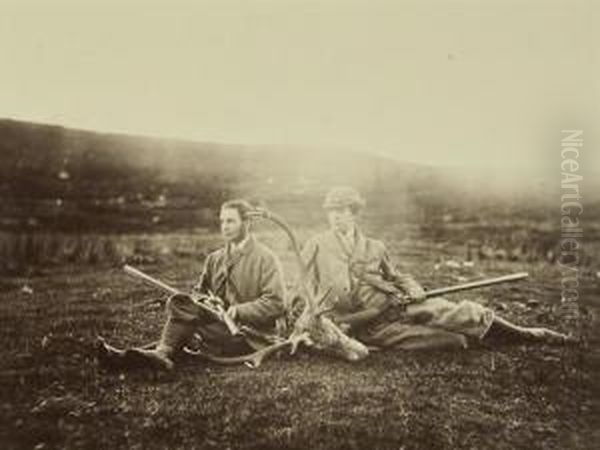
220	315
476	284
150	280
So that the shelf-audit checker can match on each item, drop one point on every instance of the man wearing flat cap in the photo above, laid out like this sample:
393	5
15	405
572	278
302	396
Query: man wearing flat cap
359	271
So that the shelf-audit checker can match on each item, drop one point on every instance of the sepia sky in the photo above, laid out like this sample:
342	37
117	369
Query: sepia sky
441	82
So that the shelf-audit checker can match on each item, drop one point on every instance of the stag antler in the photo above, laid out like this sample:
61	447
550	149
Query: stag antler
255	359
262	213
312	328
323	333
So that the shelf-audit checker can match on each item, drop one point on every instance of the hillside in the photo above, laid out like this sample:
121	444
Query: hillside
56	178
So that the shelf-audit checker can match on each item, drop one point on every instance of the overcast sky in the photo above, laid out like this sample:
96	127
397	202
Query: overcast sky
462	82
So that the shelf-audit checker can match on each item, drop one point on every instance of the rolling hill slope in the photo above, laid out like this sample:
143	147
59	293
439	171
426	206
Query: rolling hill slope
53	177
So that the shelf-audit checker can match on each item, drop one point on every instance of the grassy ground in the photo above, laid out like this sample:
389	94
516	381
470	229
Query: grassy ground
53	395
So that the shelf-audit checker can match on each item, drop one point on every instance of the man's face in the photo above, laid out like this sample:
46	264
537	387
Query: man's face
342	219
233	228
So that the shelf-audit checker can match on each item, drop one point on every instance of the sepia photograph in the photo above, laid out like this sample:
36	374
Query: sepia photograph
299	224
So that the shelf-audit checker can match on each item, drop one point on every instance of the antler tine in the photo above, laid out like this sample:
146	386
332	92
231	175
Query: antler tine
317	305
323	297
296	340
252	360
258	213
325	310
257	357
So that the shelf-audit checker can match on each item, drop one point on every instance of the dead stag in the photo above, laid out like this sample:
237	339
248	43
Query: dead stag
312	328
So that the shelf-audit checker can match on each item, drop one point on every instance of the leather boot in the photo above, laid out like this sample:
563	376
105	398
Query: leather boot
174	336
504	330
108	356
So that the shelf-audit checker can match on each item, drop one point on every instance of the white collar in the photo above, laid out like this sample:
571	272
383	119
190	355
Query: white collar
350	236
240	245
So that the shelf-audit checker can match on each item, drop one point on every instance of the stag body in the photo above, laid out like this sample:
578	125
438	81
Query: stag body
313	327
324	335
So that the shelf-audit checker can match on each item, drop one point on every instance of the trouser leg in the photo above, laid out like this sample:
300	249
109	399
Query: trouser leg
183	316
466	317
404	336
430	324
217	339
437	322
503	330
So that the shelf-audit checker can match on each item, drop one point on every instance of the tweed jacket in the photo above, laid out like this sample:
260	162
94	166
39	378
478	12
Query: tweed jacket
249	277
331	263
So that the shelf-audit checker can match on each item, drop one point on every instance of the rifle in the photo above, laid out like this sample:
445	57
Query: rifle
398	300
476	284
215	310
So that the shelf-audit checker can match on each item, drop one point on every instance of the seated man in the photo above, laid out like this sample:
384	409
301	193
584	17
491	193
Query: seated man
356	267
244	274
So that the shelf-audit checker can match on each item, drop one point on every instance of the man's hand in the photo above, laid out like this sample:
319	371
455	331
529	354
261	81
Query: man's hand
232	312
208	299
416	292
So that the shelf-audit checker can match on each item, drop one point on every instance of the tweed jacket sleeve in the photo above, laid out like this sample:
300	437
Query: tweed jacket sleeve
309	254
402	281
265	309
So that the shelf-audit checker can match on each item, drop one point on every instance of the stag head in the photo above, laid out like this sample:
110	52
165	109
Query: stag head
313	327
318	331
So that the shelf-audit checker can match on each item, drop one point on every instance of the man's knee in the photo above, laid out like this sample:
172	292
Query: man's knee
473	309
464	308
436	303
428	310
